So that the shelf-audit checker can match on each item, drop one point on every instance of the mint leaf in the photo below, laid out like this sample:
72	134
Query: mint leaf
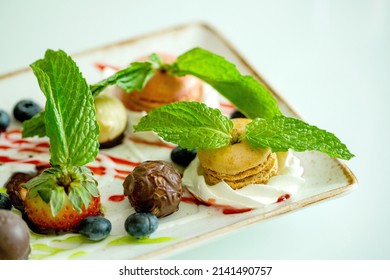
249	96
282	133
35	126
45	179
57	200
87	180
156	60
45	185
70	118
79	196
131	78
192	125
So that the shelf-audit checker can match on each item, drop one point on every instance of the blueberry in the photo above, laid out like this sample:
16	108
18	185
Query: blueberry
26	109
237	114
95	228
4	120
5	202
182	156
141	225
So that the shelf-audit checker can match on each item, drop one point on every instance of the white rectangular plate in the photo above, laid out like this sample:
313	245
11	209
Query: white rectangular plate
324	177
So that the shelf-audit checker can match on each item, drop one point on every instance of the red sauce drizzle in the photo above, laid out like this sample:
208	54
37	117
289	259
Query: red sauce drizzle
12	131
31	150
158	144
283	197
99	170
230	210
20	141
6	159
43	145
37	162
117	198
101	66
227	105
192	200
123	161
120	177
123	172
4	147
226	209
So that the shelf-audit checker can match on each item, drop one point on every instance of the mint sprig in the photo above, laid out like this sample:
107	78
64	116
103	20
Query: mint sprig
174	123
282	133
191	125
35	126
69	116
70	123
134	77
251	97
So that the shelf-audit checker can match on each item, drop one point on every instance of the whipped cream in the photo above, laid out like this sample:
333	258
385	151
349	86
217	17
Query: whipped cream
287	181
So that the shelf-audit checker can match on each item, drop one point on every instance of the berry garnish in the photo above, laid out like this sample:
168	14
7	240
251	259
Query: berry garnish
5	202
4	120
65	193
141	225
26	109
95	228
182	156
67	218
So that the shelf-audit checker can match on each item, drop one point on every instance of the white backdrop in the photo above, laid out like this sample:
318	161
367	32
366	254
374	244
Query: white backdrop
329	59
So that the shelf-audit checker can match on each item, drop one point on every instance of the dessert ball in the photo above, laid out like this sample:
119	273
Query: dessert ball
163	89
155	187
112	118
238	164
14	237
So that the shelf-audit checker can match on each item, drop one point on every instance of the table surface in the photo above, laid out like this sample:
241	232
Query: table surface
329	59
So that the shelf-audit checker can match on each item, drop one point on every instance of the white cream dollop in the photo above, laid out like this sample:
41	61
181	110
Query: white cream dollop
287	181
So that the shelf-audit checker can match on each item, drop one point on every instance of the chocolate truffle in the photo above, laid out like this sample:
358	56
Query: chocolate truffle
14	237
155	187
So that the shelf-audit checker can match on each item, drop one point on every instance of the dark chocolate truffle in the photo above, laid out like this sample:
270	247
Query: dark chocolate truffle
14	237
155	187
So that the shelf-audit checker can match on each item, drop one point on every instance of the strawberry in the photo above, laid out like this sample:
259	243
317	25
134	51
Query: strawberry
63	194
67	218
59	199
